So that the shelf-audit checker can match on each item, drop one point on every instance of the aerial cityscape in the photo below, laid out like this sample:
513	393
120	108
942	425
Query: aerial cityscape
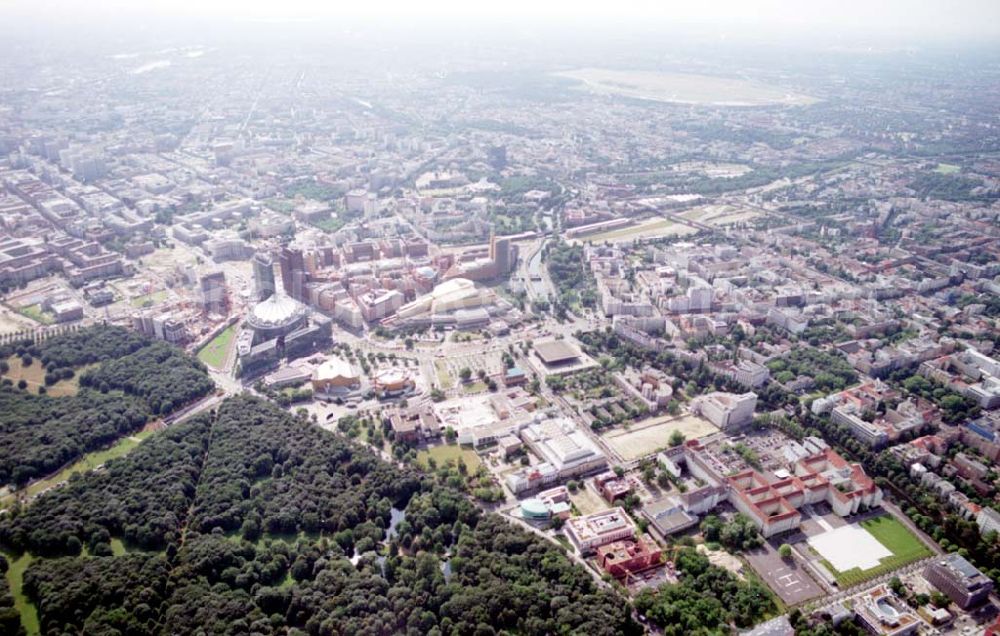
313	327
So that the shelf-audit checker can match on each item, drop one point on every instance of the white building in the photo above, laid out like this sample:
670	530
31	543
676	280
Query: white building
988	520
727	411
600	528
565	452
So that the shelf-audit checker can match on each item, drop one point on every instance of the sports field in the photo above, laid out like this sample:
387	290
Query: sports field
904	548
651	228
648	436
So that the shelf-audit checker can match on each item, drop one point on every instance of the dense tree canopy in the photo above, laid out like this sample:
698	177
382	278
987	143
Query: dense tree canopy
134	377
271	525
706	601
39	434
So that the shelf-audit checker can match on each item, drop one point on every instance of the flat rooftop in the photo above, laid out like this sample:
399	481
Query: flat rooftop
556	352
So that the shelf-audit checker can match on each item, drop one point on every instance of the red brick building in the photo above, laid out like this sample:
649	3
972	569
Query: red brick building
623	558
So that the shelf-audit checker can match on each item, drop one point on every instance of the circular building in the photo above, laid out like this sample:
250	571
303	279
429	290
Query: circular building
535	509
277	316
391	382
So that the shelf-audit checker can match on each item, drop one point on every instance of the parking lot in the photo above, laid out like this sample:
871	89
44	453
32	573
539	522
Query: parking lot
786	577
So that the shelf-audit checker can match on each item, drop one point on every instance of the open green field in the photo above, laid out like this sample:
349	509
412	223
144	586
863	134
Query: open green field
34	375
35	313
88	462
947	168
475	387
15	579
897	538
444	452
216	352
149	299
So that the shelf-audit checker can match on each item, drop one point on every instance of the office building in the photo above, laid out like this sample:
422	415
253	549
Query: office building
959	580
601	528
263	276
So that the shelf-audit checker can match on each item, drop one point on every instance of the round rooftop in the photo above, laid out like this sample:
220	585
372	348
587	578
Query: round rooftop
534	507
277	310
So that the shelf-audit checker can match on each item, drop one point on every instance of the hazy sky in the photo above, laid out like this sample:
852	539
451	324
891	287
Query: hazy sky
916	20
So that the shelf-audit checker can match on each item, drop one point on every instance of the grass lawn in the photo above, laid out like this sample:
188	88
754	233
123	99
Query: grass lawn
118	547
149	299
215	353
88	462
897	538
34	375
475	387
35	313
15	579
947	168
444	452
445	381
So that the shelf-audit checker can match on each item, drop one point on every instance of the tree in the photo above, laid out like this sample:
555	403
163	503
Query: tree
897	587
939	600
465	374
785	551
676	438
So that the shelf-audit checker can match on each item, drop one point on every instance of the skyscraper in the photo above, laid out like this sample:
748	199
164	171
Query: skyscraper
502	254
263	275
213	293
293	272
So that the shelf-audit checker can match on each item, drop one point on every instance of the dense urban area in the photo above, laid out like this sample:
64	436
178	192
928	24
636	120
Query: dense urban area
332	339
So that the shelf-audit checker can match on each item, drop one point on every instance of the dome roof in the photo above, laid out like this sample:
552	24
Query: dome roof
276	311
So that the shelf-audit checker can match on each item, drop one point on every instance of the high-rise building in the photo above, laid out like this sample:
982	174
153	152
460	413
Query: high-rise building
263	275
293	272
502	254
213	293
